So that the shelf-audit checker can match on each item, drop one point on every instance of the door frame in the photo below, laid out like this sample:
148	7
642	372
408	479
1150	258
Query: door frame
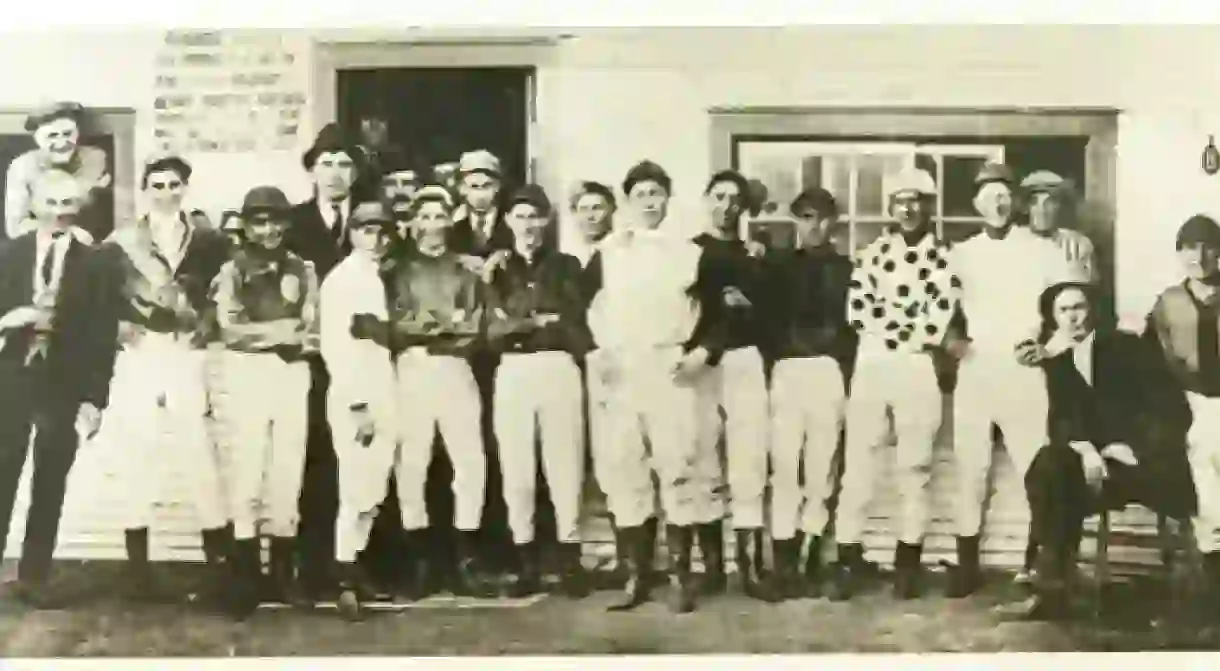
423	51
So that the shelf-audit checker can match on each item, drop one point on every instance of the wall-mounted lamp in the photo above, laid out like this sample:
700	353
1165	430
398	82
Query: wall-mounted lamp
1211	156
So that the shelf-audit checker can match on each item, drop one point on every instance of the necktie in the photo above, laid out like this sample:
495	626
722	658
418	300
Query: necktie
337	228
48	260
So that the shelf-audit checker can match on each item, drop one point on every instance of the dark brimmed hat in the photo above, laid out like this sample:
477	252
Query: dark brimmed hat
743	185
50	112
1046	302
164	162
264	200
531	194
331	139
647	171
1199	229
817	199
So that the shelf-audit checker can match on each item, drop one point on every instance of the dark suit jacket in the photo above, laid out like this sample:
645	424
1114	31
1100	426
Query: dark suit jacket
463	239
1133	400
309	238
69	358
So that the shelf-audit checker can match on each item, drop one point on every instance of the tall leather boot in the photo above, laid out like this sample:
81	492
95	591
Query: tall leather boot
247	577
1050	602
218	553
467	580
965	578
752	583
711	545
528	579
907	571
649	553
412	585
787	553
679	541
282	573
813	568
141	582
847	572
637	554
573	580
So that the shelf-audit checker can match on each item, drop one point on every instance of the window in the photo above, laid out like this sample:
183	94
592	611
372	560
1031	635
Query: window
854	172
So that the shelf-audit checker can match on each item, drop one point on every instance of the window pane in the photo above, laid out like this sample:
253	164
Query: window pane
960	172
840	167
866	232
961	231
811	172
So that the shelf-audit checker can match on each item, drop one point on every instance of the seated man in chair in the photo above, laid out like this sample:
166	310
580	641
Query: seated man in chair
1117	427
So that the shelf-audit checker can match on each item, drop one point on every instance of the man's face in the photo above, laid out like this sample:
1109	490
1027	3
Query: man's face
431	228
479	190
374	131
399	184
994	203
811	226
371	239
593	215
57	140
1199	260
1072	314
724	202
528	225
909	209
57	201
651	203
165	190
1043	212
333	174
266	230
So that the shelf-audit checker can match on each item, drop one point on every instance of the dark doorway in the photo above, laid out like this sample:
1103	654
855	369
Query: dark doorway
437	114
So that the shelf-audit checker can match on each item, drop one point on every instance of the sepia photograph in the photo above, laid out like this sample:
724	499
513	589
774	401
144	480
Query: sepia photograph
477	341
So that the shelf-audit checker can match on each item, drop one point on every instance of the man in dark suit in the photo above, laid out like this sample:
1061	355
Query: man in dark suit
47	373
318	234
1117	426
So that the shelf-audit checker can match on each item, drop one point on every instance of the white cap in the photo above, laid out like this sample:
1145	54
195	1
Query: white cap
434	191
479	161
911	179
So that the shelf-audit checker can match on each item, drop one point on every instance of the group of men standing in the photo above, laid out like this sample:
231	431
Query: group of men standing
354	330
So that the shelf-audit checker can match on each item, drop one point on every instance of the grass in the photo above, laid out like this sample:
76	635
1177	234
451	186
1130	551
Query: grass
873	622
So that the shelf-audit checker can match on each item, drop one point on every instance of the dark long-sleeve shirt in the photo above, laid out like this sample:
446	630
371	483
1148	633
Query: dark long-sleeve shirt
1188	333
437	304
726	264
806	309
525	289
255	289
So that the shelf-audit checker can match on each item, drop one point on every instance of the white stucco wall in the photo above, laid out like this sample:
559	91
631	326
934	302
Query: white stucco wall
608	99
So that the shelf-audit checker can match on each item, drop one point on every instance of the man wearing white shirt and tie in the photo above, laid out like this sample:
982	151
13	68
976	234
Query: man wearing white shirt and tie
48	371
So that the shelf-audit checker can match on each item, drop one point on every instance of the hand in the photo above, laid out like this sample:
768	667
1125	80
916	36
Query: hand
958	348
472	263
1059	343
88	420
187	318
755	248
544	318
1120	452
365	428
605	365
19	318
103	182
690	365
497	260
1095	472
1030	353
735	299
364	325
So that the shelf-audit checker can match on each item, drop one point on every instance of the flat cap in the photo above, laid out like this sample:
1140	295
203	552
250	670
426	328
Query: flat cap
994	172
434	192
52	111
479	160
1199	229
264	200
531	194
1043	181
162	161
647	171
370	213
817	199
912	179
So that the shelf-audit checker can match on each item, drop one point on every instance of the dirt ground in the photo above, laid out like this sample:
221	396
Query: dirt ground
1135	620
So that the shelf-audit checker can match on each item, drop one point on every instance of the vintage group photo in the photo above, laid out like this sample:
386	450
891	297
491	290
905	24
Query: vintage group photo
610	341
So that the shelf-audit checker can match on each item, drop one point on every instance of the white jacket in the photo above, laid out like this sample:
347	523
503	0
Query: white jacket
361	371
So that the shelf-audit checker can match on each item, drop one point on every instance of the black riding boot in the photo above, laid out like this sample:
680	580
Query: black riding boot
965	578
752	583
678	541
711	545
247	577
638	554
907	571
847	572
574	582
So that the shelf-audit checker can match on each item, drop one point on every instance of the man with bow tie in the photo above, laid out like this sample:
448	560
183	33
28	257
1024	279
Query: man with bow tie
318	234
1118	424
49	371
267	310
155	308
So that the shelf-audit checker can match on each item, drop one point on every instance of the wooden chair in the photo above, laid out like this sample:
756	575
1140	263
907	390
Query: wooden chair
1169	544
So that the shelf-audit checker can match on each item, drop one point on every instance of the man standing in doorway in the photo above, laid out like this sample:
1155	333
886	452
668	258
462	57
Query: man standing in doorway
645	297
902	295
813	348
738	384
592	208
1049	201
318	234
1003	271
